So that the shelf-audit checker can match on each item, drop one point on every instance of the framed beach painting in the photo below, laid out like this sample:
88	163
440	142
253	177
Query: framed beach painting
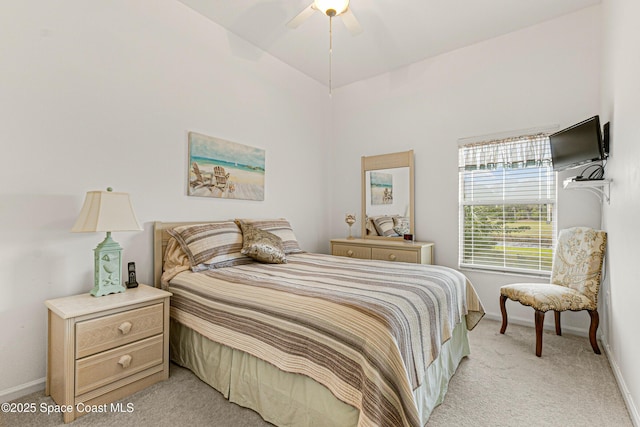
381	188
224	169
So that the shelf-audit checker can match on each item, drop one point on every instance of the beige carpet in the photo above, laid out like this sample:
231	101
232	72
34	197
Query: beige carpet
502	383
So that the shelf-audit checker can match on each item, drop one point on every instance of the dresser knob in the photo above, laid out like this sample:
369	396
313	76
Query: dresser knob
125	361
125	327
349	252
392	257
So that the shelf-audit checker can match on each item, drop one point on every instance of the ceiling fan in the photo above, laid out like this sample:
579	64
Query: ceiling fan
331	8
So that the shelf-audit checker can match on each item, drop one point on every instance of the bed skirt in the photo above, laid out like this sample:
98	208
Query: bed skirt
287	399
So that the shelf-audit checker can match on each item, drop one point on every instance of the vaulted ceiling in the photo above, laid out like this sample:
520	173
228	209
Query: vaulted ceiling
395	33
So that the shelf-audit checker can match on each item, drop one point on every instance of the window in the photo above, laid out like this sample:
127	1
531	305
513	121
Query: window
507	205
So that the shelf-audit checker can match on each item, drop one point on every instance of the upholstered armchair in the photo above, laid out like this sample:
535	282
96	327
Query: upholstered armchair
575	279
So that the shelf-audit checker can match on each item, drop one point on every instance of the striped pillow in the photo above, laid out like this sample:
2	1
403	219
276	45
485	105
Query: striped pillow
211	245
384	226
281	228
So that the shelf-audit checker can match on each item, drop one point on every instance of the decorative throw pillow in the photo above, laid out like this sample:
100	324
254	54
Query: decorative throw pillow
384	225
401	225
281	228
211	245
262	245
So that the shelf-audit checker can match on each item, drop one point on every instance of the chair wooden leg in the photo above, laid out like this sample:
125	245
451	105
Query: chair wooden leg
595	321
539	321
558	328
503	309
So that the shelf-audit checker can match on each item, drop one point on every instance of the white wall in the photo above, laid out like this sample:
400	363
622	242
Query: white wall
97	94
621	105
544	75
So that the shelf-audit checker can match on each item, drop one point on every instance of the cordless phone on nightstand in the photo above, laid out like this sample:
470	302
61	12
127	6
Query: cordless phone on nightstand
132	276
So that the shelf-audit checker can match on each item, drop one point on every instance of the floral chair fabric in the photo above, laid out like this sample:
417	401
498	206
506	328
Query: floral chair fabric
575	280
578	260
545	297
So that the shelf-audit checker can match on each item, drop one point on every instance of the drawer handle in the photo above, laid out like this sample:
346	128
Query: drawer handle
349	252
125	328
392	257
125	361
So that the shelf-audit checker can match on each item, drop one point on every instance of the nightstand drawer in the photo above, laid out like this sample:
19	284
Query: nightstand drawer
394	255
101	349
351	251
104	333
104	368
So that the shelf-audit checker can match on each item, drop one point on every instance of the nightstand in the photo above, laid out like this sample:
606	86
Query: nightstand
384	250
102	349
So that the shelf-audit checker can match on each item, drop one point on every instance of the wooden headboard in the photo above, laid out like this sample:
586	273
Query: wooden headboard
160	241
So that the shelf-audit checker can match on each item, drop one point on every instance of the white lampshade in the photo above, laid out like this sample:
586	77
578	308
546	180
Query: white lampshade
106	211
338	5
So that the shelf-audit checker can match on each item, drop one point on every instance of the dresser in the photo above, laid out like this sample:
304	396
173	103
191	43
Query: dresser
102	349
387	250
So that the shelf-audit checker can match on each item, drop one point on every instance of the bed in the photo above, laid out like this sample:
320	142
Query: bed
317	340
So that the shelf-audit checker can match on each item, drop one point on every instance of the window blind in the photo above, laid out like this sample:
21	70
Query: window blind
507	205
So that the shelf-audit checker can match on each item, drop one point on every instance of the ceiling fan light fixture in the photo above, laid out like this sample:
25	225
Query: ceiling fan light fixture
331	7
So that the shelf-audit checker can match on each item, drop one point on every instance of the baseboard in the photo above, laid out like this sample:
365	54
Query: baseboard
529	322
16	392
622	385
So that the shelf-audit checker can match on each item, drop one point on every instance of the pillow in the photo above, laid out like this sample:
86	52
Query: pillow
175	261
384	226
401	225
262	245
211	245
370	227
281	228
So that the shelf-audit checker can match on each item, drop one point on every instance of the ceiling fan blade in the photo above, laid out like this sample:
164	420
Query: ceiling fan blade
301	17
351	22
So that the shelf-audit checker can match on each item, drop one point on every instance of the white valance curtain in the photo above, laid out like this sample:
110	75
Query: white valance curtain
516	152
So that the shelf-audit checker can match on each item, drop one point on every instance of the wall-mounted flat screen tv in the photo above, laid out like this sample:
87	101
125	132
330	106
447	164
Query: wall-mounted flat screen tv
577	145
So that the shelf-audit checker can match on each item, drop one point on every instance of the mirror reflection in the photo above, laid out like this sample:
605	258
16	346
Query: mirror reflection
387	189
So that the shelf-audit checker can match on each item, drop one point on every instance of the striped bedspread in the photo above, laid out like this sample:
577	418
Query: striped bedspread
366	330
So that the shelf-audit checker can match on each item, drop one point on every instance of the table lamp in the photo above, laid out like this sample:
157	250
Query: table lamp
107	211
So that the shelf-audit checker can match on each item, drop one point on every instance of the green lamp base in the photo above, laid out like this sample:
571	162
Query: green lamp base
108	268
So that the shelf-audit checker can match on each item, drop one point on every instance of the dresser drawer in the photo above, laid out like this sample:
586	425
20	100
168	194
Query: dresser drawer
394	255
104	368
351	251
107	332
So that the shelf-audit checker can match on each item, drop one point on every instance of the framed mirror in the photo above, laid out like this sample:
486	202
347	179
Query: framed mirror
387	196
